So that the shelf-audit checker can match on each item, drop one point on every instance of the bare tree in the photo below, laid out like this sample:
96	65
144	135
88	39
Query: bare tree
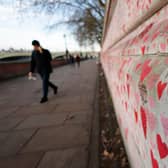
84	17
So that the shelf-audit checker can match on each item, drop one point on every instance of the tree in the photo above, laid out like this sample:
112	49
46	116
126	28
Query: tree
84	17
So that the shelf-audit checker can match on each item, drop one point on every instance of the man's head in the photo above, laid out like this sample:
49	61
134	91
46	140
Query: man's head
36	45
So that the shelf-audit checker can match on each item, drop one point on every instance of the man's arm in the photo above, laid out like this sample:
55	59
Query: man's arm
32	63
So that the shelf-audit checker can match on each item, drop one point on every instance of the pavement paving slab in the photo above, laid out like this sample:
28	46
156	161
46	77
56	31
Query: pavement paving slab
6	110
73	108
69	158
3	136
14	141
43	120
8	124
30	160
62	137
30	110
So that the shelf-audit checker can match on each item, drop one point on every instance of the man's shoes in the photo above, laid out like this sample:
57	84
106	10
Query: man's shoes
43	100
55	90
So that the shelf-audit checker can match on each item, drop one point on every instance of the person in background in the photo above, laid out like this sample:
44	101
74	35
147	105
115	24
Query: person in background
86	57
78	59
72	60
41	60
67	54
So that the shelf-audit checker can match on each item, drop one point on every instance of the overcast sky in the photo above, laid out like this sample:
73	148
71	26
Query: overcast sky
18	30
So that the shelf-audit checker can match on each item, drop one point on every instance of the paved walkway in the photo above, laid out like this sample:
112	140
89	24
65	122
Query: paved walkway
53	135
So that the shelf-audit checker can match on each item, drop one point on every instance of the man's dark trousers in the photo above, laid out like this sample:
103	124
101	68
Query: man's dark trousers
45	76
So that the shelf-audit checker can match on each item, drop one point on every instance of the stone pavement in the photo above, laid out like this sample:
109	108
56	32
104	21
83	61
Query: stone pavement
53	135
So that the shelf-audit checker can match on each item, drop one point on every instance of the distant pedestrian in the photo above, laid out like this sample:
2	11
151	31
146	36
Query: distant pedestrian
78	60
72	60
86	57
67	54
41	59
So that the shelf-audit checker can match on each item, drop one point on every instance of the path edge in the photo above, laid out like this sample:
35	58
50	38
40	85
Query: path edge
93	155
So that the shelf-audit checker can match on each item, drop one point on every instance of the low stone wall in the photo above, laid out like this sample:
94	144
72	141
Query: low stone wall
14	69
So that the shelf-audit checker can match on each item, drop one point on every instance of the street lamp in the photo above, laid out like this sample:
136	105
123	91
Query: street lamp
66	48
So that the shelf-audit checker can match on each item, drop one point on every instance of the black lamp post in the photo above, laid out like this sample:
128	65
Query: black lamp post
66	47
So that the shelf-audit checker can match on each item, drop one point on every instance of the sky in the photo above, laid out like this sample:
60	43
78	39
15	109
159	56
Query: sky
18	30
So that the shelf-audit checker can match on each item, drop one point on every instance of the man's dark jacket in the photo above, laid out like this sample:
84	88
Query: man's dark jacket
41	61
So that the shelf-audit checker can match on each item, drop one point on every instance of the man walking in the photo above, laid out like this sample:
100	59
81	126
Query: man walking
41	59
78	59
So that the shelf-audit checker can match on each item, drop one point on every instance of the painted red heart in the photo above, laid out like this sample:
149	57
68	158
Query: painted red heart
160	88
124	88
138	66
126	106
137	98
128	90
162	47
155	36
143	50
136	116
144	121
137	4
162	147
146	38
154	161
147	7
150	1
146	69
118	89
128	77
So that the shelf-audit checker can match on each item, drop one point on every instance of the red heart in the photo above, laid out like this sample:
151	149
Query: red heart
128	77
126	106
155	36
160	88
136	116
154	161
128	90
124	88
163	46
162	147
146	69
150	1
138	66
146	38
144	121
143	49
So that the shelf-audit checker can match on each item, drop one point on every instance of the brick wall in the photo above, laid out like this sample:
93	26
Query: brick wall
9	70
